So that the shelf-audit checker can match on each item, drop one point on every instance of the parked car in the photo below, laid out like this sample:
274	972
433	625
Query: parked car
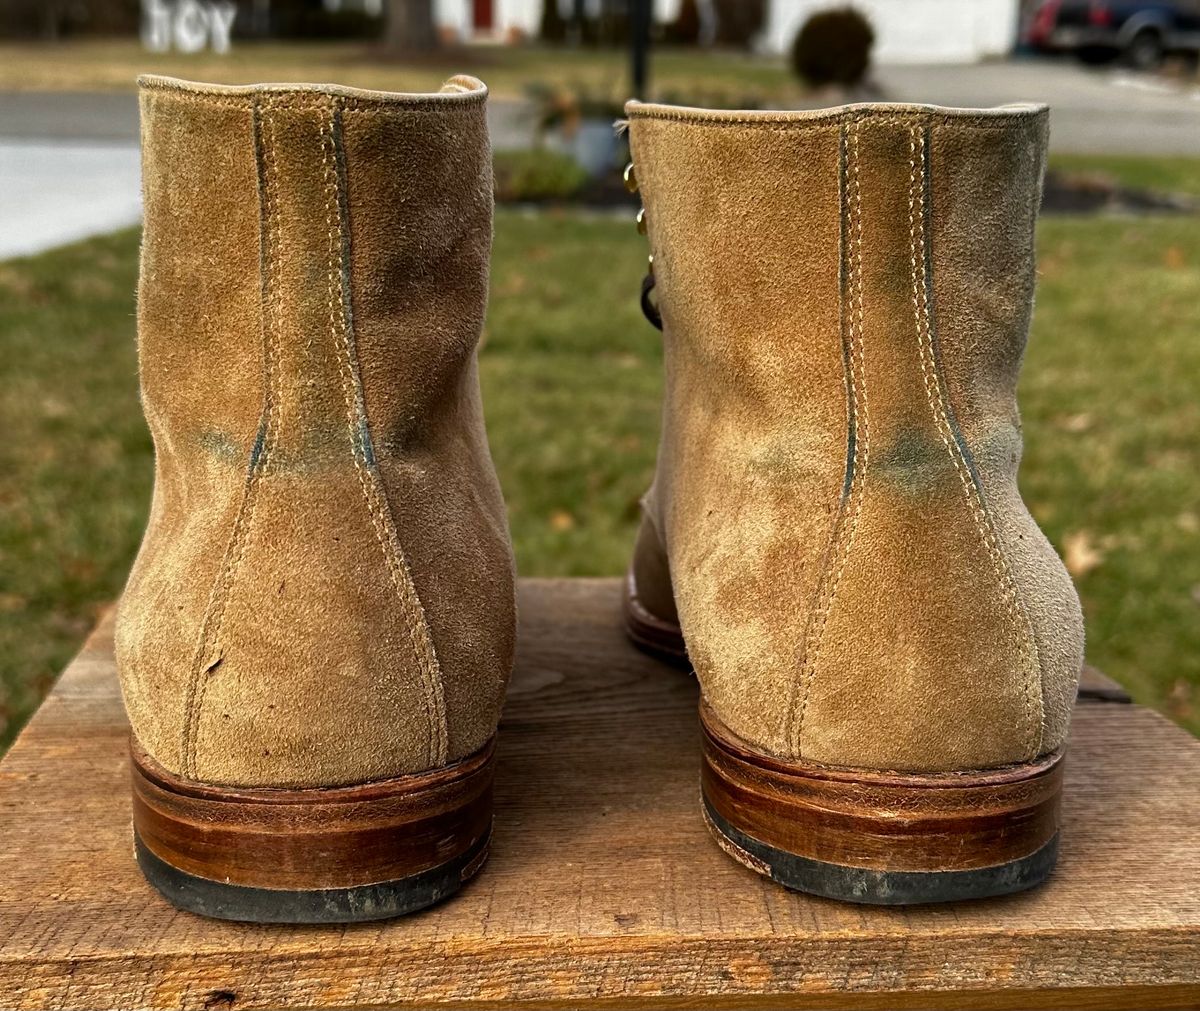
1141	32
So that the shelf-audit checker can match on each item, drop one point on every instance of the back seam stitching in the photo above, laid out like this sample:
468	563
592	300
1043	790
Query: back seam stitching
260	455
815	638
376	504
929	371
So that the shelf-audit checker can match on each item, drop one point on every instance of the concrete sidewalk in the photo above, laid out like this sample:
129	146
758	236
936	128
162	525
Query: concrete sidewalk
54	192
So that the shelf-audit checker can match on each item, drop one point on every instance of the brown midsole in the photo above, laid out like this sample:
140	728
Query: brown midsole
881	820
337	837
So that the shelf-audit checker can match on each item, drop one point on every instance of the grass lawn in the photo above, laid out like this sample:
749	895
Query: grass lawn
113	64
1167	175
571	385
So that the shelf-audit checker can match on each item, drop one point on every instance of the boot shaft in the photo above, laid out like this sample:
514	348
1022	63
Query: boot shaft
846	297
783	246
277	221
324	594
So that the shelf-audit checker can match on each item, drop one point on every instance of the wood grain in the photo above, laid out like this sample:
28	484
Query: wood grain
604	888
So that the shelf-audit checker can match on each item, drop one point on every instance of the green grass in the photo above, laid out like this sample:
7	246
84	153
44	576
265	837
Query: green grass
75	458
1112	464
571	378
1179	175
113	64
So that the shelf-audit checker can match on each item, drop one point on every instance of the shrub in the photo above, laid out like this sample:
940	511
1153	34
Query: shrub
536	175
833	47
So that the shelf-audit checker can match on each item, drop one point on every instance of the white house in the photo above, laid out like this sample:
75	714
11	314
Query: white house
906	31
913	31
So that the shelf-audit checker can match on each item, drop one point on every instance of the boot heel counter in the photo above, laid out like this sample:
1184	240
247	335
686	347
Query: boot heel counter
1055	613
318	668
923	629
925	656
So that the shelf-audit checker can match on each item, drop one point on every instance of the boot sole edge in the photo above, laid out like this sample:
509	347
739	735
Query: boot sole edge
312	855
654	636
880	887
382	900
889	838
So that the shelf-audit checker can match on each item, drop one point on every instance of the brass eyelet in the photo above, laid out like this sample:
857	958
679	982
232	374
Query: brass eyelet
630	178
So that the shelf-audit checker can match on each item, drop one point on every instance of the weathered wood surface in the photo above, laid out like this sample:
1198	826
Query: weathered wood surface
604	889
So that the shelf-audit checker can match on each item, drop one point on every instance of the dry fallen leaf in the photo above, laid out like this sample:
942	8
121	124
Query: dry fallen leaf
560	520
1077	422
1180	699
1079	553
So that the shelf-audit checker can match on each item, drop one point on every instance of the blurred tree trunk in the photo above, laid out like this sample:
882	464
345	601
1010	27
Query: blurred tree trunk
578	17
553	28
410	27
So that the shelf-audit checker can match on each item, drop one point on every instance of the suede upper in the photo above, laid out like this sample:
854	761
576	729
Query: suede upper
846	297
324	594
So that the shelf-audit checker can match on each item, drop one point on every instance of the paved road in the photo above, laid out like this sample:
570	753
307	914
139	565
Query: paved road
69	167
92	116
1092	110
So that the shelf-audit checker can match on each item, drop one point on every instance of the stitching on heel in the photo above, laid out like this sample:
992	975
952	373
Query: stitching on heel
203	661
859	426
374	496
938	399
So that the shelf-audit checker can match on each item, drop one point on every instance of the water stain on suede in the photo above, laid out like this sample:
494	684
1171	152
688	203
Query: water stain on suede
321	448
915	464
222	447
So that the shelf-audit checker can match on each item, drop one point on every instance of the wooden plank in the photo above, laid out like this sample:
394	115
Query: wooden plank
604	889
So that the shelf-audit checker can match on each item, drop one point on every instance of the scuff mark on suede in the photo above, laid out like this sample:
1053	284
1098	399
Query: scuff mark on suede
915	463
221	447
260	440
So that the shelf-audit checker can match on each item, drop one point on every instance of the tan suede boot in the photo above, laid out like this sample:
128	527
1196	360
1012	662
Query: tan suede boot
887	645
315	639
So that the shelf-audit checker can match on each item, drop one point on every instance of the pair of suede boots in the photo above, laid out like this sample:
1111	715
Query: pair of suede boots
316	637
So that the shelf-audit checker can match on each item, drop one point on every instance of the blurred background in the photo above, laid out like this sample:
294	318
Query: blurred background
571	372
